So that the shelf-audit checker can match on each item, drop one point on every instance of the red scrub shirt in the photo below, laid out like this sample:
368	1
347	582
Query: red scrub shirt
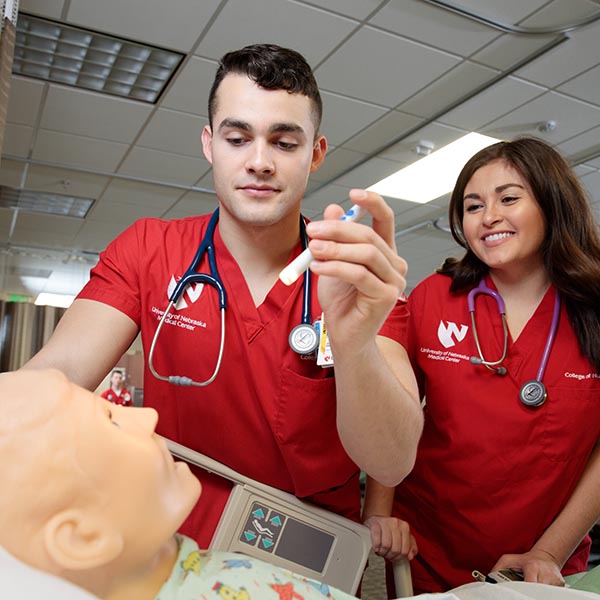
270	414
491	474
122	397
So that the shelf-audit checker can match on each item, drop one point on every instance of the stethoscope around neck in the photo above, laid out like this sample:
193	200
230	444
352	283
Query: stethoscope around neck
303	338
532	393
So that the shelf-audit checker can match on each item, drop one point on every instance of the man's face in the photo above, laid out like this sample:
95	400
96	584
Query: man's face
262	150
116	380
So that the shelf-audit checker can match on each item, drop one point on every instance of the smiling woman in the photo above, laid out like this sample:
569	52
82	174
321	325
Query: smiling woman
500	481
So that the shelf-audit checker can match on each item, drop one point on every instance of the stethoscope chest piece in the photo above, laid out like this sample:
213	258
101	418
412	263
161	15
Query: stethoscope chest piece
303	339
533	393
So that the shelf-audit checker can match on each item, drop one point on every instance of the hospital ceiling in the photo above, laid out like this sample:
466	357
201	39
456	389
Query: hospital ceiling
392	73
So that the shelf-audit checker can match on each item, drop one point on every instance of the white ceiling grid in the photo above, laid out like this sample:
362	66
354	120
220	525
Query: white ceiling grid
392	72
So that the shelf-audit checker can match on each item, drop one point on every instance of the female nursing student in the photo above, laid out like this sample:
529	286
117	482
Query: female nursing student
502	477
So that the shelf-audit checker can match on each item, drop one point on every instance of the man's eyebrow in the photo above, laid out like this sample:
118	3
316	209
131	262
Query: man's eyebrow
286	128
235	124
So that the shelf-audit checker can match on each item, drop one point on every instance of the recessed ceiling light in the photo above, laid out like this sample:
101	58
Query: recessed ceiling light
54	204
82	58
60	300
435	174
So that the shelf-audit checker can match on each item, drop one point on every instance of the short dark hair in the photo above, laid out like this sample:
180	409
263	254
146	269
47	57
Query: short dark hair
273	68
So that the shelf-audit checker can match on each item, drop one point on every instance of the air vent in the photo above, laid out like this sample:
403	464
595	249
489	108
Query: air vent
82	58
29	272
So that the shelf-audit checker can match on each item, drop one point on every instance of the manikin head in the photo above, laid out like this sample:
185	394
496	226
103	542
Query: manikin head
89	492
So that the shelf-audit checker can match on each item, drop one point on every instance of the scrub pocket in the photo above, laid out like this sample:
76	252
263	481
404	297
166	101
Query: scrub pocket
571	420
305	428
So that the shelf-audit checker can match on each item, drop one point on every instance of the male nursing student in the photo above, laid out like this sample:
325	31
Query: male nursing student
117	393
271	413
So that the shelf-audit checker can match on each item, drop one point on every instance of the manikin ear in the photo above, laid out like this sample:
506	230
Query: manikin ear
77	540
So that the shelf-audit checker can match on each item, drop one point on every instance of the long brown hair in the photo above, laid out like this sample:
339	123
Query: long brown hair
571	248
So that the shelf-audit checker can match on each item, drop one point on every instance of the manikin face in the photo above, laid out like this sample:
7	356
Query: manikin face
145	492
102	461
502	222
262	150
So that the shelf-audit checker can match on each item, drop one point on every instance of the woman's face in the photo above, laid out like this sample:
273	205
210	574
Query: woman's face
502	220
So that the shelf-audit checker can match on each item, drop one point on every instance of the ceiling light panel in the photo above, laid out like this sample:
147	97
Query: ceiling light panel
63	54
42	202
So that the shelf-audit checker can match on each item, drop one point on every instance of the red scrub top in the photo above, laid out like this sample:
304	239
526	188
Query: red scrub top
122	397
491	474
270	414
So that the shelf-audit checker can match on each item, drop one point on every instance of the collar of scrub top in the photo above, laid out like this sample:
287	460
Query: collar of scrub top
191	276
532	393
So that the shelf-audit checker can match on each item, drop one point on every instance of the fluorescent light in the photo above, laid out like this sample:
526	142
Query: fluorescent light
434	175
60	300
53	51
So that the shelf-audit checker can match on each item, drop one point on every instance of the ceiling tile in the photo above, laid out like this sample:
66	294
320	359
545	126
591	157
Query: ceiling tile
11	173
45	8
560	14
336	163
578	54
24	100
316	202
572	117
585	146
585	86
17	140
434	26
174	25
143	195
71	150
172	131
192	204
44	230
115	119
311	31
405	151
357	9
502	98
344	117
381	134
508	11
109	211
509	50
63	181
191	86
154	165
591	183
368	173
393	69
448	89
94	236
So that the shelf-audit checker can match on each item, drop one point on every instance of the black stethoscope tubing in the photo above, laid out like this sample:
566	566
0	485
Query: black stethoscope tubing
192	276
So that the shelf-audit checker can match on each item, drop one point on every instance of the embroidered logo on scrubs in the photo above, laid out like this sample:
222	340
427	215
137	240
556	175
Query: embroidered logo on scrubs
192	292
445	333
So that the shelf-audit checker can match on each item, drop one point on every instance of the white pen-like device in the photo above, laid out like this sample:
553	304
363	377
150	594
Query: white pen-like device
303	260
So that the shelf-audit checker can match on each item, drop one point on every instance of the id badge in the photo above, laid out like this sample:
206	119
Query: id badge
324	355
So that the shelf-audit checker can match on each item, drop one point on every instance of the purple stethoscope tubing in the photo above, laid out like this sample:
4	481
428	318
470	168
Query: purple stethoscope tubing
532	393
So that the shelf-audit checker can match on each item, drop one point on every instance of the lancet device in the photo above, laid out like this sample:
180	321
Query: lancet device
290	273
